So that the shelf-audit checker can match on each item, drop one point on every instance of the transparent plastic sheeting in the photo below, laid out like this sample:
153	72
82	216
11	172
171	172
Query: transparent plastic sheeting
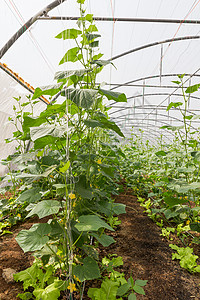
149	72
9	89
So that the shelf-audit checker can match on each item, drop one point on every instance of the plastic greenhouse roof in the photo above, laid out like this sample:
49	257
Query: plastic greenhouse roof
150	42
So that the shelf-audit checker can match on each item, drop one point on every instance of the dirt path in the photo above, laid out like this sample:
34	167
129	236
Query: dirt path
147	256
145	253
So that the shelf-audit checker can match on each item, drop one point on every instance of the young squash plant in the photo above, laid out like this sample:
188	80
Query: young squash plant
70	173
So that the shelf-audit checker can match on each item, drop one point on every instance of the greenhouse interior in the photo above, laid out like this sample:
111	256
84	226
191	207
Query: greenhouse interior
100	150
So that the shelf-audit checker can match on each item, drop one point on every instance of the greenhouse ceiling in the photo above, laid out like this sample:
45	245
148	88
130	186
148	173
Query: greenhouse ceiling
149	43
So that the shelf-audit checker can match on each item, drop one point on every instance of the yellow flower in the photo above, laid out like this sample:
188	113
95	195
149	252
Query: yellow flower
187	222
72	196
71	287
99	170
51	176
76	278
99	161
18	215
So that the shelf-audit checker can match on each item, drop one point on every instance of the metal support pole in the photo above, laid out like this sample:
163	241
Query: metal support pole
161	58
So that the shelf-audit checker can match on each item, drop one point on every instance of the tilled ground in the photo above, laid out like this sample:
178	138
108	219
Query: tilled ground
145	253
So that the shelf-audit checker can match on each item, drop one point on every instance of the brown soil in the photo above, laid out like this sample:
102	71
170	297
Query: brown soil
145	253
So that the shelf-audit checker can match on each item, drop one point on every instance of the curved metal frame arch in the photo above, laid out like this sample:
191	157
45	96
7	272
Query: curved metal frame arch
151	131
153	94
154	44
172	118
146	130
158	121
153	77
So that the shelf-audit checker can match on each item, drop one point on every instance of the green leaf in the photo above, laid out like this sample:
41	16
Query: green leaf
34	238
68	73
83	189
81	1
88	271
104	239
45	208
42	131
32	122
132	297
25	296
65	167
94	44
174	104
118	97
92	36
50	292
89	17
177	82
50	90
69	34
172	201
161	153
81	97
123	289
91	223
103	122
141	282
192	89
195	227
138	289
101	63
110	288
29	276
70	55
29	196
92	28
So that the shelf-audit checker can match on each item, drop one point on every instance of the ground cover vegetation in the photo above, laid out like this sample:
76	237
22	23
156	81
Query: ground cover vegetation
166	179
65	169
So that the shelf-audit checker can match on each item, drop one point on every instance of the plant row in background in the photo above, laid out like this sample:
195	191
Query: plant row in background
167	176
66	169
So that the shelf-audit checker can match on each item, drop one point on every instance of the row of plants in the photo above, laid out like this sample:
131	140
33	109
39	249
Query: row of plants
66	170
167	181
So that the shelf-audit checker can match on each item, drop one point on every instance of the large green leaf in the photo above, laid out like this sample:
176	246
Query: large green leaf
104	239
29	196
88	271
81	97
71	33
28	276
34	238
70	55
68	73
50	90
110	95
108	291
83	189
41	131
45	208
91	223
50	292
31	122
104	123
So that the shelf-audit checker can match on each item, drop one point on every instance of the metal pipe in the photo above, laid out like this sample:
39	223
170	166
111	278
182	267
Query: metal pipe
111	19
154	44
